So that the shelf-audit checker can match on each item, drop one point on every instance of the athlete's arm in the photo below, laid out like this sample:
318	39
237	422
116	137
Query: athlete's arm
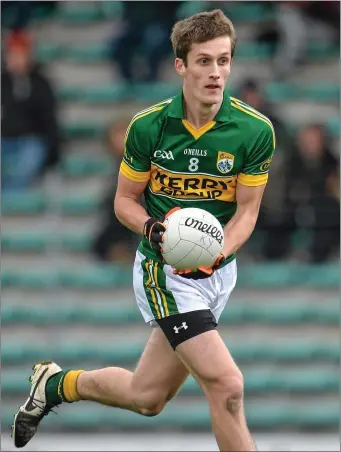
127	204
243	222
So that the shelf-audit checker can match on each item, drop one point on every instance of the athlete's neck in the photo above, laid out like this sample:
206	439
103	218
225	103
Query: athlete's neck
199	114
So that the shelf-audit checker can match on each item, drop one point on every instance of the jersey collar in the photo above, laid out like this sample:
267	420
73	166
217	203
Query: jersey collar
176	108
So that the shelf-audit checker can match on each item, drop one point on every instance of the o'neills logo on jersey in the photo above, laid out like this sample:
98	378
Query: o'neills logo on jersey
196	152
192	186
205	227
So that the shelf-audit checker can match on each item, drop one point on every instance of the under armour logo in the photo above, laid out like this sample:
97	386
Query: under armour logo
178	328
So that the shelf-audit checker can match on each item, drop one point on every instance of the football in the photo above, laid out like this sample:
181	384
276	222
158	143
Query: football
193	238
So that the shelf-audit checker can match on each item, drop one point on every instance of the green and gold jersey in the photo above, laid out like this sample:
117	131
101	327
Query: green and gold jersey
190	167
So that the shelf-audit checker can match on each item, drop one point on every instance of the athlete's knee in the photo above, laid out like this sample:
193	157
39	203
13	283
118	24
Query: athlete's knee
227	390
151	410
149	404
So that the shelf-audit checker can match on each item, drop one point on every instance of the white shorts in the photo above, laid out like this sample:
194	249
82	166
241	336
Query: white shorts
159	293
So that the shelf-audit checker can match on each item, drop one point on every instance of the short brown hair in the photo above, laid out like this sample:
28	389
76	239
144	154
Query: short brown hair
201	27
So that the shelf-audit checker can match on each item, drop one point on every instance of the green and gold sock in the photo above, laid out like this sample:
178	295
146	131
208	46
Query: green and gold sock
62	387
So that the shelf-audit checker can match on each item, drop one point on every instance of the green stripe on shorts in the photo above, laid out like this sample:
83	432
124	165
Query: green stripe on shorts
147	265
161	301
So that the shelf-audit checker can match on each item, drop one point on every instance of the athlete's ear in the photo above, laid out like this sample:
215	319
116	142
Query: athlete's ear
179	66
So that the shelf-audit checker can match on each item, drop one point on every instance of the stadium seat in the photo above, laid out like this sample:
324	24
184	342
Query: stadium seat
95	94
83	130
282	274
333	126
89	13
266	276
275	92
77	165
246	50
36	202
24	241
280	91
27	202
280	313
290	351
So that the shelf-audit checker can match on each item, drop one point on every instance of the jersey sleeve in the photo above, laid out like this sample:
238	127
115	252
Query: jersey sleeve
256	167
135	164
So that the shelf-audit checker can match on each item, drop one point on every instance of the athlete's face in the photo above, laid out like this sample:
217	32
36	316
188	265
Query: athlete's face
208	67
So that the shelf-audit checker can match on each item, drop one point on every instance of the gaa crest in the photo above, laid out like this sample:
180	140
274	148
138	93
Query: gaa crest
225	162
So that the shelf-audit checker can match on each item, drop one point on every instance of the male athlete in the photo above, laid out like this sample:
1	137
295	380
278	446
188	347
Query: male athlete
203	149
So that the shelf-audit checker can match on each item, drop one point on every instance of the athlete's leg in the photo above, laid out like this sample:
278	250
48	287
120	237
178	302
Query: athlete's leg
156	379
209	361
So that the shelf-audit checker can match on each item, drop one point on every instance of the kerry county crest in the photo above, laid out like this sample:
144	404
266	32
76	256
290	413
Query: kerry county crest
225	162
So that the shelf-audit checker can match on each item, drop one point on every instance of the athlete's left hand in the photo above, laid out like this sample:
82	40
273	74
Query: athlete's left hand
201	272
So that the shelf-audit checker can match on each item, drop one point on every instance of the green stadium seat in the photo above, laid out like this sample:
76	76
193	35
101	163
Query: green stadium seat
282	274
78	242
28	202
48	52
76	165
95	94
97	278
125	352
146	93
266	276
333	126
275	92
84	130
89	13
75	16
90	53
80	204
24	241
191	416
36	202
112	10
42	279
280	313
281	91
245	50
38	241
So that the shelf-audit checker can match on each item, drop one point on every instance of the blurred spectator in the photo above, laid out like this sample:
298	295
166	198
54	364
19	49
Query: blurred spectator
147	27
297	23
312	199
251	93
16	16
271	211
30	134
114	242
327	12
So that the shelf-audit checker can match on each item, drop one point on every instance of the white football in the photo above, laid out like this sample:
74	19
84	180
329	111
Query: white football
193	238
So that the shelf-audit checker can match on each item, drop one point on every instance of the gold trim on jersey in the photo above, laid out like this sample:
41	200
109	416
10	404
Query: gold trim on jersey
139	116
252	180
130	173
146	111
256	114
192	186
198	132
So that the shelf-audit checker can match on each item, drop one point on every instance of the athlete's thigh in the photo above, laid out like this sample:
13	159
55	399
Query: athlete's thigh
208	359
159	373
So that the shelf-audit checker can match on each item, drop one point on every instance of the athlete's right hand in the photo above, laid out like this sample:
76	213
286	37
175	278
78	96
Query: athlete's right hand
153	230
